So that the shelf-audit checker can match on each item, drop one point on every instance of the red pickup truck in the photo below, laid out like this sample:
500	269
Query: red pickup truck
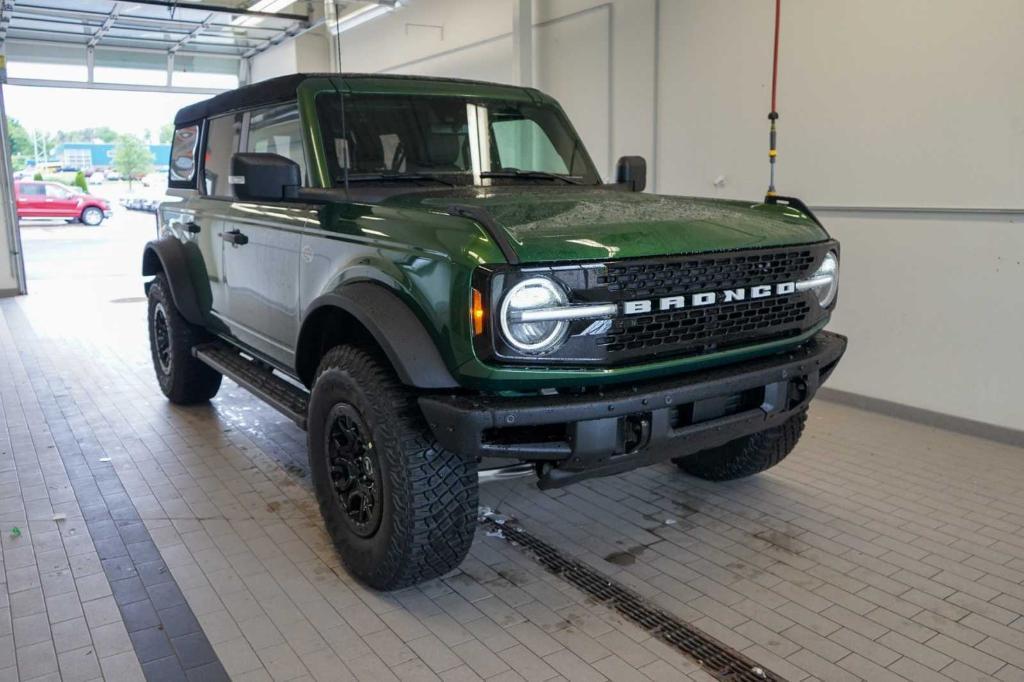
36	199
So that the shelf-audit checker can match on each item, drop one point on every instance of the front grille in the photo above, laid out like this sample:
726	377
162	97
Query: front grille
704	330
687	328
703	273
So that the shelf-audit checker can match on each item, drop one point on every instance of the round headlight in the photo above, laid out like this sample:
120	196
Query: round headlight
825	281
539	336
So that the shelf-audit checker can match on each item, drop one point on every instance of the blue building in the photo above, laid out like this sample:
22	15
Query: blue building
82	155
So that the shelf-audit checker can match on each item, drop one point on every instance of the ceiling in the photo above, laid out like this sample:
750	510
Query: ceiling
228	28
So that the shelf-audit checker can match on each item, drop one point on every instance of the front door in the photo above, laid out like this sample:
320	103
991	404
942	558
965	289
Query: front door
60	203
261	245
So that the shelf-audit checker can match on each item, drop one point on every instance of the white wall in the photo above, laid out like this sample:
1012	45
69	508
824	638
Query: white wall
913	103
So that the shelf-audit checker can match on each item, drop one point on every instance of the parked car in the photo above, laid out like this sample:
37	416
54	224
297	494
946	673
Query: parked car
53	200
97	178
142	201
113	176
445	278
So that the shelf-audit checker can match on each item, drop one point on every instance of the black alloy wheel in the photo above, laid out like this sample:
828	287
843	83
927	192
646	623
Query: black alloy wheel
354	470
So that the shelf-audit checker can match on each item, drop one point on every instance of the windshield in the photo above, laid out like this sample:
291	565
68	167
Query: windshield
450	140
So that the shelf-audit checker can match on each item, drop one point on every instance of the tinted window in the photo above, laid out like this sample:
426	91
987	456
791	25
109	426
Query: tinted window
277	130
222	138
183	155
32	190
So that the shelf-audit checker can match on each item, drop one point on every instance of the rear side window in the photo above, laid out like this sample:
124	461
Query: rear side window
277	130
222	138
183	157
32	190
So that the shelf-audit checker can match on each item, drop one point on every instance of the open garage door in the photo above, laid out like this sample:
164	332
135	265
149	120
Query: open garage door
194	48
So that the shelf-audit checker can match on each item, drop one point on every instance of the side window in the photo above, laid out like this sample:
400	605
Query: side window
55	192
222	136
183	156
32	190
278	130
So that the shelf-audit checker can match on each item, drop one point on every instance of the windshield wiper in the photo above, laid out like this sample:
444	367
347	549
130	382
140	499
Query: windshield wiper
405	177
518	173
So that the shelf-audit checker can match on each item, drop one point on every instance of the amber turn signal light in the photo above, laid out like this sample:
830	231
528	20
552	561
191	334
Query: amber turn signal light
478	313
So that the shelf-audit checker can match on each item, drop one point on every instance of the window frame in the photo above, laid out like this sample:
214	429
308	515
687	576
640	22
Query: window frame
201	175
199	183
304	168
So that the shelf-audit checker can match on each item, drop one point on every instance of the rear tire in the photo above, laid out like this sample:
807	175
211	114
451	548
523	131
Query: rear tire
92	216
182	378
745	456
399	508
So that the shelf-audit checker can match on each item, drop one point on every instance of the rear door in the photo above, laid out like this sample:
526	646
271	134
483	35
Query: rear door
31	199
262	244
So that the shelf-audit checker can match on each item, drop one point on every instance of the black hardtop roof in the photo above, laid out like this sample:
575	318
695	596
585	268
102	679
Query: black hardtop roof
282	89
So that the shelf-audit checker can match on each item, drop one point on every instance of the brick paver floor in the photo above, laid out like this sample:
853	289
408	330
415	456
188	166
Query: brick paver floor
155	541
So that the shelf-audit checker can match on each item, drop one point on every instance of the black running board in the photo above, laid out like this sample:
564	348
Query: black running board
283	396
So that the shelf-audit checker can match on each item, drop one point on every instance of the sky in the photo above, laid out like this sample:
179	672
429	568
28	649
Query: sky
52	109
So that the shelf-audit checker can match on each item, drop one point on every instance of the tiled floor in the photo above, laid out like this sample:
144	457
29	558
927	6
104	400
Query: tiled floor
187	542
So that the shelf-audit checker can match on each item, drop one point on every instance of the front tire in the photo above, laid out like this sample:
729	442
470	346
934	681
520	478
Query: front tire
745	456
183	379
399	508
92	216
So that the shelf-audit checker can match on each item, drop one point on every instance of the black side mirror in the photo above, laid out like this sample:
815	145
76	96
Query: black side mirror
632	171
264	177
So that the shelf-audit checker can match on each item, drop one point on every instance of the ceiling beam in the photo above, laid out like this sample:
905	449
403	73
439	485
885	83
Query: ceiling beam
29	12
82	85
217	9
107	24
192	35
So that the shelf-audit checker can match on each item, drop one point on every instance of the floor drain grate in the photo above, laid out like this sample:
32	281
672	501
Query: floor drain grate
719	660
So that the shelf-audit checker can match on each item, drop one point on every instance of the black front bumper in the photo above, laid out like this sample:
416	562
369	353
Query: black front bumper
597	433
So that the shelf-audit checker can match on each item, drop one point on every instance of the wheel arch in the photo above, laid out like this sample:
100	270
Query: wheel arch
365	313
168	256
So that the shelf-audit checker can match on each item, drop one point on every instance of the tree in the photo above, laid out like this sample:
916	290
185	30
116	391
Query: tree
132	158
21	143
80	182
166	133
38	177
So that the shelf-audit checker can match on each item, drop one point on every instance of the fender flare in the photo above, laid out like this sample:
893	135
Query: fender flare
395	327
172	258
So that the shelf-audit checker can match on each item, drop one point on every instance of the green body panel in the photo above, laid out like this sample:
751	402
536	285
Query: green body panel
564	223
409	244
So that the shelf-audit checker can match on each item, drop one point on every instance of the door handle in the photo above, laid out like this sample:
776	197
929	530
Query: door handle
235	237
192	228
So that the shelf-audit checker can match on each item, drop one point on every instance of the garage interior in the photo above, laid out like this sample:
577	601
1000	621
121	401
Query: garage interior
142	540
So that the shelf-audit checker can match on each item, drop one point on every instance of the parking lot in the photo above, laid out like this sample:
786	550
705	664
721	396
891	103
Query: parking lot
56	250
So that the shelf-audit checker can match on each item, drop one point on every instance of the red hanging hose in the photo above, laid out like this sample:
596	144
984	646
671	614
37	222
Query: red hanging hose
773	115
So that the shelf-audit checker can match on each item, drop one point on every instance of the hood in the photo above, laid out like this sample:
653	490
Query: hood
580	223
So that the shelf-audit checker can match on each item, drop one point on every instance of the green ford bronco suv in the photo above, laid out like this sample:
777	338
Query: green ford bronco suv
431	278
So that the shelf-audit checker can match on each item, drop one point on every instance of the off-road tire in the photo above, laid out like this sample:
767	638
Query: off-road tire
183	379
746	456
428	495
92	221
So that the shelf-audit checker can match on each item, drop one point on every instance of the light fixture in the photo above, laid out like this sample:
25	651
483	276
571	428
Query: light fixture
270	6
360	16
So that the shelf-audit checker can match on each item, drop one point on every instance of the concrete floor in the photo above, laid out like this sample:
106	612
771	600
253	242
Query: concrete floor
191	547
